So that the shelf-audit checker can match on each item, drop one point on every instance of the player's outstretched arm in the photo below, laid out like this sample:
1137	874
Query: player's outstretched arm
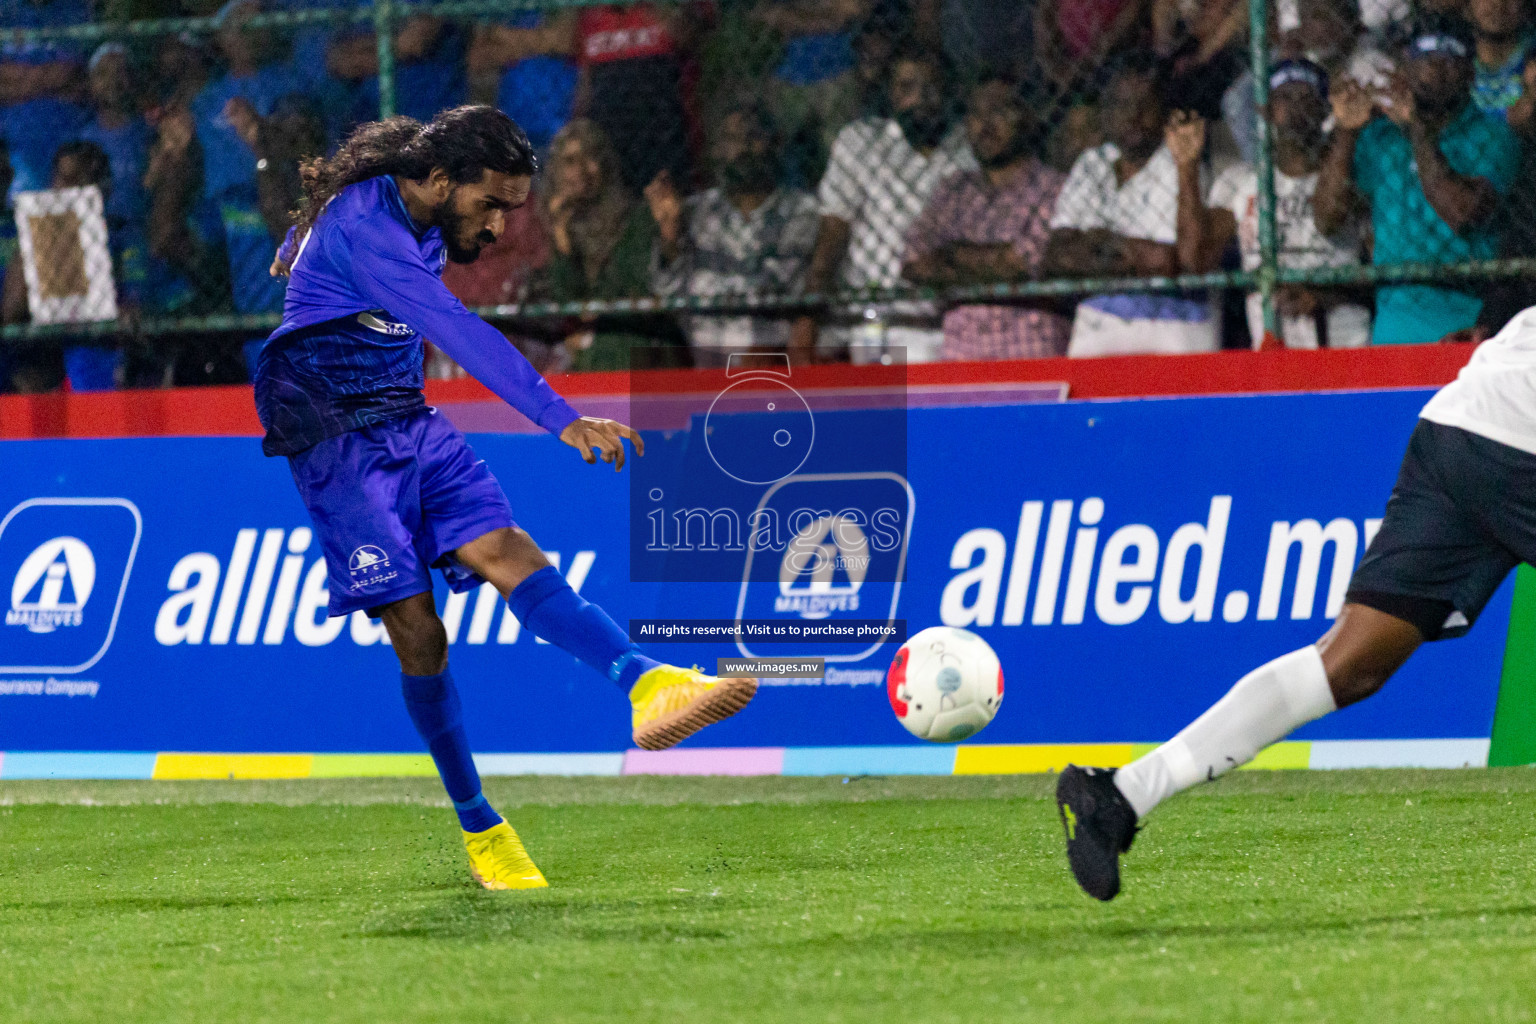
595	437
387	269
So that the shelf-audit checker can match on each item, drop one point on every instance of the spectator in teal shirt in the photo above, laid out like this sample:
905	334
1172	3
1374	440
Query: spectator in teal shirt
1433	173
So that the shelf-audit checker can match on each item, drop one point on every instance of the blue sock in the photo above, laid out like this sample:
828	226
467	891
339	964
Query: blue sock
548	608
433	704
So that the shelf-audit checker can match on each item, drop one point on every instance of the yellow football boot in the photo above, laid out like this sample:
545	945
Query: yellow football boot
498	861
671	703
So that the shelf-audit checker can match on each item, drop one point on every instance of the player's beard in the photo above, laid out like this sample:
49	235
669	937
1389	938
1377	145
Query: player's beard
451	223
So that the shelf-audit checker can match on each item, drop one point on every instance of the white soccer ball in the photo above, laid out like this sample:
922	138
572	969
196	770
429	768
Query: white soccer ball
945	684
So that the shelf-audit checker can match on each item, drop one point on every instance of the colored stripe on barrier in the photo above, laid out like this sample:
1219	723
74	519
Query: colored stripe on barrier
706	761
1009	759
233	766
1286	754
549	764
1470	753
72	765
357	766
934	760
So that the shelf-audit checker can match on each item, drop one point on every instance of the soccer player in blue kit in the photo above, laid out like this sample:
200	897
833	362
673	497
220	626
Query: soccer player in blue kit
393	488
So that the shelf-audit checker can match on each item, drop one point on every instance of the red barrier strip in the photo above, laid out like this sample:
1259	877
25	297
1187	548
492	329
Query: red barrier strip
228	411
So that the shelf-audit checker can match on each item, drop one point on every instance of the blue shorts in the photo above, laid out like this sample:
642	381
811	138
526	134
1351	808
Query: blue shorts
392	501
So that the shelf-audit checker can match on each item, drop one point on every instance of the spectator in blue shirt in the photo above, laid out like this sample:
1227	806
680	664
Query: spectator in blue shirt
524	66
1432	172
257	217
183	65
119	129
429	66
813	90
13	288
254	74
40	88
310	47
184	271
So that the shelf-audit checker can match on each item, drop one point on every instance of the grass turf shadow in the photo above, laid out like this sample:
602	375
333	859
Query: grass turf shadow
474	916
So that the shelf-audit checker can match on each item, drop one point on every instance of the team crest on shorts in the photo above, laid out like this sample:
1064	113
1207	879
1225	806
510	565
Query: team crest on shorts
370	566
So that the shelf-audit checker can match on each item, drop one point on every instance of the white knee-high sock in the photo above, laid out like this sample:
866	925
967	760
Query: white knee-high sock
1266	705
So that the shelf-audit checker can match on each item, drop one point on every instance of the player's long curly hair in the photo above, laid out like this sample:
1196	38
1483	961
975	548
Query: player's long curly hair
465	142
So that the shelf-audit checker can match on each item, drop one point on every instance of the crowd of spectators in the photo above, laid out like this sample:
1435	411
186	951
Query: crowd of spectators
778	147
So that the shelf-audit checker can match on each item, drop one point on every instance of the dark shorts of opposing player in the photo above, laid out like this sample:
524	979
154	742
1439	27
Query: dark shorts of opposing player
1461	516
392	501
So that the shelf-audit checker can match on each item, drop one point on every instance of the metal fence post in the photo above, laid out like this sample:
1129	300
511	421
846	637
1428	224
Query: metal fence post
384	30
1258	41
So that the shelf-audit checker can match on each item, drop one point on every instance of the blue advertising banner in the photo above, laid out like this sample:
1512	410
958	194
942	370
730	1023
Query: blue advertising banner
1128	560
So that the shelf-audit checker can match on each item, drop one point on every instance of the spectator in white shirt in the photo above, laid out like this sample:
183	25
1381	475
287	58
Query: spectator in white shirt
746	235
1117	215
1325	32
879	178
1309	317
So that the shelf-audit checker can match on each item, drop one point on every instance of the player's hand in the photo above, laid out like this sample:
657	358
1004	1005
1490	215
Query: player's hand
1185	137
594	437
1352	105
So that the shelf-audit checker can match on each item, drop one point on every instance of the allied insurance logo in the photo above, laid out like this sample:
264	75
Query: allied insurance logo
52	586
67	562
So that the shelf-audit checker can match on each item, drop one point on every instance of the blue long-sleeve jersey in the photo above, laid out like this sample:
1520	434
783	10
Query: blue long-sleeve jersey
365	290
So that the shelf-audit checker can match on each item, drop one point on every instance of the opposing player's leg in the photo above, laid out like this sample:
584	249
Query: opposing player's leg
669	703
1099	807
496	855
1441	552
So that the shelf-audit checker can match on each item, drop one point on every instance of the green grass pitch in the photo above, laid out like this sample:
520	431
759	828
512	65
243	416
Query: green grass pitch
1288	896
